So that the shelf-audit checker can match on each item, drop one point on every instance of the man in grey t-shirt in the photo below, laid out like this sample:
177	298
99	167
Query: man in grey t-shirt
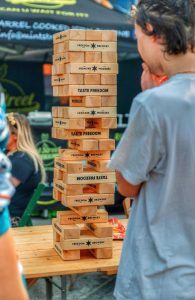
155	160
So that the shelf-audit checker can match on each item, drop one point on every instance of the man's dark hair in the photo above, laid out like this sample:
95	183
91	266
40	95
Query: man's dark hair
173	20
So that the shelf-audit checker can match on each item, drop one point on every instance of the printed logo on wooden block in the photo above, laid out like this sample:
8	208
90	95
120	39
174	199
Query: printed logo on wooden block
86	242
85	90
68	57
66	255
68	134
101	123
61	80
69	154
88	200
68	189
85	112
66	231
100	68
70	34
69	123
69	167
85	46
84	145
86	101
98	165
90	177
70	217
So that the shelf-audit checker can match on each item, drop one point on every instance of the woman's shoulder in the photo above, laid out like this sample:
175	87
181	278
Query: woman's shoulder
20	155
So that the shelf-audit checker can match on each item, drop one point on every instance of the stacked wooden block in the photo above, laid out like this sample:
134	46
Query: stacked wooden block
84	72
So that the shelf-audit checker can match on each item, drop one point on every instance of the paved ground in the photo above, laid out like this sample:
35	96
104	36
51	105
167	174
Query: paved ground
89	286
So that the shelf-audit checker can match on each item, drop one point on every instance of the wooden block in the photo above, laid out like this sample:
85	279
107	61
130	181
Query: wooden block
101	68
59	48
93	35
106	144
58	69
68	57
55	111
69	134
69	167
109	101
87	200
84	145
85	210
101	229
67	79
86	242
69	154
103	188
94	46
76	101
85	112
93	57
86	90
68	189
93	101
101	123
98	165
66	231
58	174
108	79
85	101
109	57
103	253
70	34
70	217
69	123
67	255
109	35
92	79
89	177
56	237
57	195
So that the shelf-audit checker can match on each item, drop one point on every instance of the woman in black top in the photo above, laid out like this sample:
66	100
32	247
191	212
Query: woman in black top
27	165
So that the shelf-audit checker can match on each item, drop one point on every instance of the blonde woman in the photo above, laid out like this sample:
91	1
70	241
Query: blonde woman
27	165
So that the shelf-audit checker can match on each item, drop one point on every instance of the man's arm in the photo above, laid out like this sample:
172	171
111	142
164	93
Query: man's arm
125	188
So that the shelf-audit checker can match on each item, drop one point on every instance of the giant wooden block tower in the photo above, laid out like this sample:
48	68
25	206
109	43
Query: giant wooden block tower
84	71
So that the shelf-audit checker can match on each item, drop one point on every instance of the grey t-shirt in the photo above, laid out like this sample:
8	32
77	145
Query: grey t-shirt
158	148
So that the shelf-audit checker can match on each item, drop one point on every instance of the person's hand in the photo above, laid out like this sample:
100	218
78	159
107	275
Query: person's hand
149	80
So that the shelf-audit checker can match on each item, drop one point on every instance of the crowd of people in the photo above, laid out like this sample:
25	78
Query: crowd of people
154	163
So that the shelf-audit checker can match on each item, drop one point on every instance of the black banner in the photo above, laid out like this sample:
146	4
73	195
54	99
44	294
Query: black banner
34	22
23	86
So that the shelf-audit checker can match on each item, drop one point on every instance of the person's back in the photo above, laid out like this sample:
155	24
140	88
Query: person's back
27	166
155	160
163	218
24	170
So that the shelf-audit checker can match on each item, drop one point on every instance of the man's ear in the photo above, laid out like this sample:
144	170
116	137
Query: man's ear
149	27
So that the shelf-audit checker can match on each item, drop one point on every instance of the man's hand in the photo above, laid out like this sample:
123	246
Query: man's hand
149	80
